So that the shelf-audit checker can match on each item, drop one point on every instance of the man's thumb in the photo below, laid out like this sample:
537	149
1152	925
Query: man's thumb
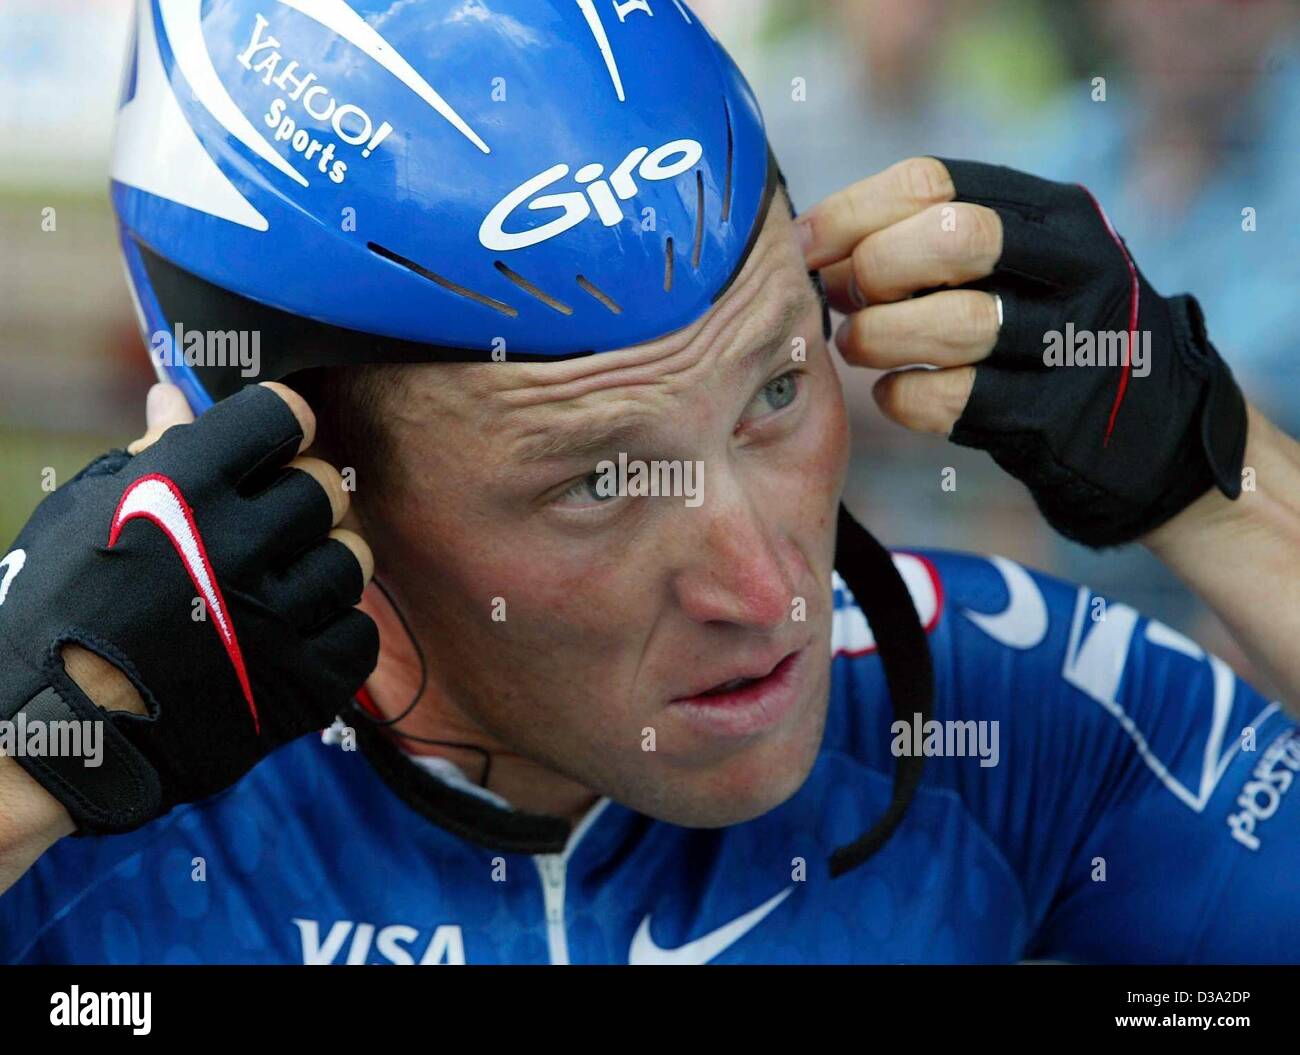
164	407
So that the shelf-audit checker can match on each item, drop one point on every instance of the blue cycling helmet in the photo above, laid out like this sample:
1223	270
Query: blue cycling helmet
370	181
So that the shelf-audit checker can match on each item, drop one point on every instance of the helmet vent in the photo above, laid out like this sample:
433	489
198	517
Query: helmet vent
533	291
731	160
699	220
600	295
668	266
445	283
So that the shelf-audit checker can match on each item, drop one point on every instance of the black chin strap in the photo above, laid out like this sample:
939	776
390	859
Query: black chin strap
882	595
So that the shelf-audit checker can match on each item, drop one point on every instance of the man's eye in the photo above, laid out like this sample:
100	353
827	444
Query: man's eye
776	395
781	391
587	492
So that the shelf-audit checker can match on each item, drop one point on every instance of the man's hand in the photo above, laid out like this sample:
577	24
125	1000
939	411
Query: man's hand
165	406
881	240
1108	457
200	584
1109	452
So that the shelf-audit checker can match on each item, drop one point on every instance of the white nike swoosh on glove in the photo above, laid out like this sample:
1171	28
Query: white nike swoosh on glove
12	565
157	499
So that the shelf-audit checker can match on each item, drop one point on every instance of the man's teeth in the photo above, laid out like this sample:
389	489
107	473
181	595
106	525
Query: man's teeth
729	686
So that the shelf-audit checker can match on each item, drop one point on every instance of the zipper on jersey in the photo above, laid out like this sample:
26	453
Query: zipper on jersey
553	870
551	867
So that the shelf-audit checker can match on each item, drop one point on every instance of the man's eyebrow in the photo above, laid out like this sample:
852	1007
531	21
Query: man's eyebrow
582	439
781	331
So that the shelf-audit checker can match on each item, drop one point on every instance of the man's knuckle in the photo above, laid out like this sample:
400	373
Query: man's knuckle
845	211
908	401
865	329
926	181
866	264
983	231
966	232
977	314
894	397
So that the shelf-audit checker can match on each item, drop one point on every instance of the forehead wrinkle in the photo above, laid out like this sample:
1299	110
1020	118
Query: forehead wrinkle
714	341
652	362
581	432
666	366
606	371
597	420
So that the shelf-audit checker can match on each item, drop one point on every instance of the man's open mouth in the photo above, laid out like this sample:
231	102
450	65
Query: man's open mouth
748	703
737	685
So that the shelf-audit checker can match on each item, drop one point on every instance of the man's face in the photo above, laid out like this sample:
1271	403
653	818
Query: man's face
584	632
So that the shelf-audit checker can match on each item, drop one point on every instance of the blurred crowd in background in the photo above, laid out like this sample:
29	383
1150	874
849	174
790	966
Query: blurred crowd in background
1182	116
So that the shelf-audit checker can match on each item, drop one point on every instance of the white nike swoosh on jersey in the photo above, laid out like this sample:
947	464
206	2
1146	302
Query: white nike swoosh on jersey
12	565
1023	623
644	951
156	498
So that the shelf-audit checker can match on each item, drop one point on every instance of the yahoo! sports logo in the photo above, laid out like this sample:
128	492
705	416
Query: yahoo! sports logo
669	160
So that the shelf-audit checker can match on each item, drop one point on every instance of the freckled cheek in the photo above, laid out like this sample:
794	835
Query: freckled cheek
567	598
833	448
818	464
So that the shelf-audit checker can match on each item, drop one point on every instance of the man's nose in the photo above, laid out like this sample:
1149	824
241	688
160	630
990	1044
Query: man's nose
741	574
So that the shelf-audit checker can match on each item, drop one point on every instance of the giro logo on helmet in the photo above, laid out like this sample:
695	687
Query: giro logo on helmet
604	195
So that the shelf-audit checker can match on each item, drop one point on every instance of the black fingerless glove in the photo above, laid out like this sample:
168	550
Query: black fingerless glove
118	561
1107	455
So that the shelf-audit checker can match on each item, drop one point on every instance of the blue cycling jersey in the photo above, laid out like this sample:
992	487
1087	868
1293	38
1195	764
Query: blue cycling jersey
1107	792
